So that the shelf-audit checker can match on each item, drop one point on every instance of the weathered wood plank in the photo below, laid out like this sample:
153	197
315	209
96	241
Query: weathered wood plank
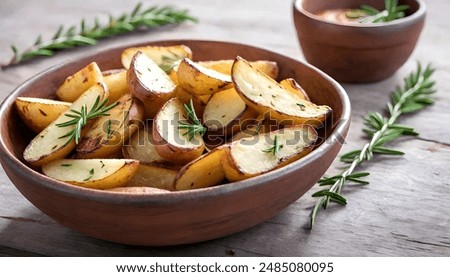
403	212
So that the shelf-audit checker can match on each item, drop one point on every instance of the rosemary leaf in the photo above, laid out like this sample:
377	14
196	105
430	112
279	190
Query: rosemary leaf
81	34
412	97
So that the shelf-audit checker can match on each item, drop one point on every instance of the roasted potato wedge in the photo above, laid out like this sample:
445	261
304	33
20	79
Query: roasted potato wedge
149	83
253	156
137	190
198	100
226	113
108	133
38	113
172	141
270	68
199	80
265	95
163	56
294	87
79	82
153	175
142	147
116	82
92	173
50	144
205	171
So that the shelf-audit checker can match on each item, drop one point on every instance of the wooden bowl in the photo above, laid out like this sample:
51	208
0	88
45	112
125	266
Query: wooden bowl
356	52
172	218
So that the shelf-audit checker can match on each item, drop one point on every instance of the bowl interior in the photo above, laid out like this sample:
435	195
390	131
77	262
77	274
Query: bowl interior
316	6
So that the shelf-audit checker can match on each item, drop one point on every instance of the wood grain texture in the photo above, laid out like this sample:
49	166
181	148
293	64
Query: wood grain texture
403	212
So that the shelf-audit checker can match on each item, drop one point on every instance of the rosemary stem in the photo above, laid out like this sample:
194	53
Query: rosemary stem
411	92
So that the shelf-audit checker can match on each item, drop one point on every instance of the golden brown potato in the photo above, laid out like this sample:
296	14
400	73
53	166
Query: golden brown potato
205	171
38	113
108	133
137	190
142	147
50	144
92	173
265	95
226	113
294	87
149	83
173	143
199	80
79	82
269	68
155	176
164	56
253	156
116	82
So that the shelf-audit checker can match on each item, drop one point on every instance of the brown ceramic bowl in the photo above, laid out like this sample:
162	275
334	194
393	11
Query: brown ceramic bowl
172	218
356	52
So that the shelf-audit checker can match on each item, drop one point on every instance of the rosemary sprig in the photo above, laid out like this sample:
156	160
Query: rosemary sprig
72	36
81	117
413	97
369	14
193	125
275	148
168	62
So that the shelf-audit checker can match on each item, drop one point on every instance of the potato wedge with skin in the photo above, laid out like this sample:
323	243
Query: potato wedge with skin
294	87
38	113
226	113
265	95
92	173
205	171
50	145
142	147
270	68
185	97
199	80
116	81
108	133
163	56
149	83
172	142
79	82
137	190
155	176
253	156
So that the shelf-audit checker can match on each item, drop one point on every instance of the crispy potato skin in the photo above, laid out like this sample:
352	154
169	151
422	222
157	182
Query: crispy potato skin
97	143
116	81
294	87
205	171
79	82
198	80
270	68
155	176
38	115
153	98
157	53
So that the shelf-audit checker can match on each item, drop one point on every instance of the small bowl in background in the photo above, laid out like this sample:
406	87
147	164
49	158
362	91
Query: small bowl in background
357	52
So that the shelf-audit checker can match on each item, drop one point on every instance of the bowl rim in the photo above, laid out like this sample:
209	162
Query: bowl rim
169	197
392	24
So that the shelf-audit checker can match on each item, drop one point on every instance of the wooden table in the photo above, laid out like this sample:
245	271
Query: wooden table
405	211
